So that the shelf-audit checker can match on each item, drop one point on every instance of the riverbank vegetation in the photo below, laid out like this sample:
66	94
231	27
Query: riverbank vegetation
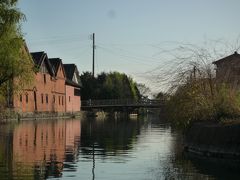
16	67
201	99
195	94
113	85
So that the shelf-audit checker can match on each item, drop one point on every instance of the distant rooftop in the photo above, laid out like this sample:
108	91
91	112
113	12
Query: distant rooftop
235	54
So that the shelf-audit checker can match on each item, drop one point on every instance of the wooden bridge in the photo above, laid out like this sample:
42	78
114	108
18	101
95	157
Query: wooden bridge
121	104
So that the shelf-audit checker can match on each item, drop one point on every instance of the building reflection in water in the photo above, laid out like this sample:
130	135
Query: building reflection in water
44	146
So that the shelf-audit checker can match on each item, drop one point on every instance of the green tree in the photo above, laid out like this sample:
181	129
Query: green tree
89	85
113	85
16	65
135	94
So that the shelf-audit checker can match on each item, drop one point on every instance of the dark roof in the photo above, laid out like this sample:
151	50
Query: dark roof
55	62
39	57
69	71
71	83
235	54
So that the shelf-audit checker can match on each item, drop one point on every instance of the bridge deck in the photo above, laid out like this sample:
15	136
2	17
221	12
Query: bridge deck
121	103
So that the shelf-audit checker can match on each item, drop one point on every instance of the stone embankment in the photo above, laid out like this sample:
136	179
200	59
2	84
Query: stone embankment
214	140
10	116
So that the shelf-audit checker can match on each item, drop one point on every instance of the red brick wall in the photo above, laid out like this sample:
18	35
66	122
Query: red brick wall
45	88
60	91
73	103
42	89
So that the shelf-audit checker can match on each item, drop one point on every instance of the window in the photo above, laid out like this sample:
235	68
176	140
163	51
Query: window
26	98
69	98
46	98
20	98
44	77
42	98
77	92
53	98
59	99
62	100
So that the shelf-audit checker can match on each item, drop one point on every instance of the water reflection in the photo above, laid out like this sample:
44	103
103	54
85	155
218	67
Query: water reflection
108	140
40	148
109	137
100	149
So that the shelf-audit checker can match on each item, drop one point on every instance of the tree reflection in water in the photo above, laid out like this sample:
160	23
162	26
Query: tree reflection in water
109	137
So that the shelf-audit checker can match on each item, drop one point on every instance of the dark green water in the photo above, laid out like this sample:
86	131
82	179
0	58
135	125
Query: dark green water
143	149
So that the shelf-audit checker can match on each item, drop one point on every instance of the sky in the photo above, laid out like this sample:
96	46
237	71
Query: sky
129	34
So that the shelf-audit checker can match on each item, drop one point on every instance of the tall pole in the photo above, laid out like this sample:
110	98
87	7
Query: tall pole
93	68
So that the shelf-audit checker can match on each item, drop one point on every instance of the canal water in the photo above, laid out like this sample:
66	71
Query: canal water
102	149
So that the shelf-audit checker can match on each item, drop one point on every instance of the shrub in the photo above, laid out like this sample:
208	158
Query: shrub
201	99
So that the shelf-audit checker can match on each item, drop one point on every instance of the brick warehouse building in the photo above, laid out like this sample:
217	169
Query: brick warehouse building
48	91
73	85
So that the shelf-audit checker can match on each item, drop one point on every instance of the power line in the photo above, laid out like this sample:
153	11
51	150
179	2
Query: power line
129	58
131	54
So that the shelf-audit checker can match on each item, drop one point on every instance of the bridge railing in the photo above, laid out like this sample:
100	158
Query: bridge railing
121	102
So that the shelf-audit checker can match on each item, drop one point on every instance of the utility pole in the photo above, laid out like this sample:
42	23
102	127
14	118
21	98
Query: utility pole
93	65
